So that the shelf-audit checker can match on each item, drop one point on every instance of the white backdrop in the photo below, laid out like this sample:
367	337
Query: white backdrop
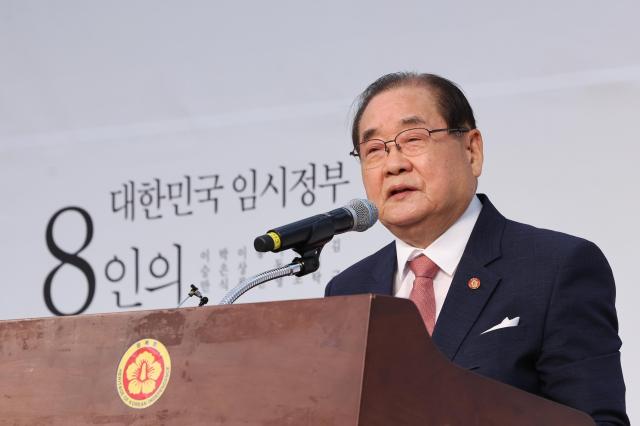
192	97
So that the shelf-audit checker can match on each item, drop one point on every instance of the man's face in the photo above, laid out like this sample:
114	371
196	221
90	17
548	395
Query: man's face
419	197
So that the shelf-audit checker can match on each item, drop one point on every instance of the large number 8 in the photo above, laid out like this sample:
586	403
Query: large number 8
72	259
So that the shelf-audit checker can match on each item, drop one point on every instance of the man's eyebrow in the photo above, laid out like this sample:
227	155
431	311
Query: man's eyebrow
412	121
368	134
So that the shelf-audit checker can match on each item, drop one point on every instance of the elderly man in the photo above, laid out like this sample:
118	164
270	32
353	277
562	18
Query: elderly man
526	306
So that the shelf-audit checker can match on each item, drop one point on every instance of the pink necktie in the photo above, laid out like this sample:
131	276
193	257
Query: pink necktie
422	292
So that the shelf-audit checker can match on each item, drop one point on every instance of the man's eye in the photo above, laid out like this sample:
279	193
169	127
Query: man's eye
415	139
371	149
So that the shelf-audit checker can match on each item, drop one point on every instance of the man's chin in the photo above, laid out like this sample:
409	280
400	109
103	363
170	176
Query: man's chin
401	219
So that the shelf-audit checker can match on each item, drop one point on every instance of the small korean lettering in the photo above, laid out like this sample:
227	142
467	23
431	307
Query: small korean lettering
205	255
224	270
179	194
333	179
239	184
123	200
210	184
151	198
307	180
278	186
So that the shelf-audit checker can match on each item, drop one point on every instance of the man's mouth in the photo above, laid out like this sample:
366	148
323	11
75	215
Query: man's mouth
399	191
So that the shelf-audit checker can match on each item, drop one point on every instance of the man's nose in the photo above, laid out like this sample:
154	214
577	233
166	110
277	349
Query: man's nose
396	162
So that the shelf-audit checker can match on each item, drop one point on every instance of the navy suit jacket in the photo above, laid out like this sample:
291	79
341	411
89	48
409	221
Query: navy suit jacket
566	346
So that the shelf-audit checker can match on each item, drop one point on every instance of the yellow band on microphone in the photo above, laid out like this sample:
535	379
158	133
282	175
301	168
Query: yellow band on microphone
276	240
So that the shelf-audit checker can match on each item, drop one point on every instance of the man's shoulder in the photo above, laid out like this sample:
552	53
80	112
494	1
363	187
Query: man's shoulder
368	262
550	253
519	245
521	236
350	280
521	233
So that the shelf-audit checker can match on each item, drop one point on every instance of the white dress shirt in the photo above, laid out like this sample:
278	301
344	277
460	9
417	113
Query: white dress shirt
446	252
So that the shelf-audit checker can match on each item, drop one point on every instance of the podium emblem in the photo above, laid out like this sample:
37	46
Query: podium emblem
143	373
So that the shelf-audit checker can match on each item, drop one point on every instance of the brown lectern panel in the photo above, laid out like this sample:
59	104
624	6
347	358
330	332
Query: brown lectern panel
308	362
427	389
287	363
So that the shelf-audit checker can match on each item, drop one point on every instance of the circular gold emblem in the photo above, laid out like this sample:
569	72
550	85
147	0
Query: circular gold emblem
474	283
143	373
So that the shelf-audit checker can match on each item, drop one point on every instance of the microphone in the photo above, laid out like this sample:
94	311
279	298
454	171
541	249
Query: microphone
358	215
195	292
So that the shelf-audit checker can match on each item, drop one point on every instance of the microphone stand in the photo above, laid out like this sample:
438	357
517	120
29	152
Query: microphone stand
308	262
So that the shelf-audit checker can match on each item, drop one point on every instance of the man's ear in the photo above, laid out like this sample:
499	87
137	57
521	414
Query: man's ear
475	153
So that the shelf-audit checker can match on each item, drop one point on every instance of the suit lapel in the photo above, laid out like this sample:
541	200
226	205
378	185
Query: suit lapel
463	304
382	273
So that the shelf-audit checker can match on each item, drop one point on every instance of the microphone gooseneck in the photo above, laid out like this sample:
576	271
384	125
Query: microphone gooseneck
306	237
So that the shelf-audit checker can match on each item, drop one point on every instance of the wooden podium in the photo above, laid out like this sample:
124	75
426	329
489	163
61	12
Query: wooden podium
358	360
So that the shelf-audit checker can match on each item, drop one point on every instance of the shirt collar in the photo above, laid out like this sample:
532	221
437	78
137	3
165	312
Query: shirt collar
446	251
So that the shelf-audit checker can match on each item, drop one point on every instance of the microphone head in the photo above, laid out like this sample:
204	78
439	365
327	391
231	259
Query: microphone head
364	212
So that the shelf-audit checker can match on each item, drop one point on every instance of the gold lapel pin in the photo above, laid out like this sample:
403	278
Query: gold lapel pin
474	283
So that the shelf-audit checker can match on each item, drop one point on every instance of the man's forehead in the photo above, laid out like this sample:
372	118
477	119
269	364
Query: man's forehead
408	104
